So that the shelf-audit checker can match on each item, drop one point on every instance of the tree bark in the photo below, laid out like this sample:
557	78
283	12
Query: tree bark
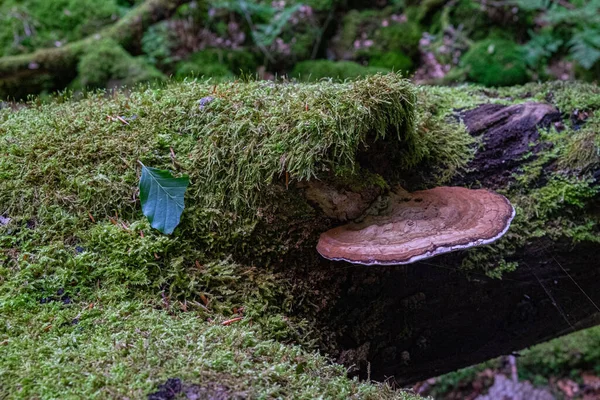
421	320
54	68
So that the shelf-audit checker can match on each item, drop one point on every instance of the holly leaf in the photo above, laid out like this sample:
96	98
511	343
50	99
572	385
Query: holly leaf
161	196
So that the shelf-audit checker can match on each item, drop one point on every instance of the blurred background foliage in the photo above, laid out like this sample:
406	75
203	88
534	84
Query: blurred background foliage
493	43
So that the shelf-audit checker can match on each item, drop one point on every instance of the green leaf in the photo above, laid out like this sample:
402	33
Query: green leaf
161	196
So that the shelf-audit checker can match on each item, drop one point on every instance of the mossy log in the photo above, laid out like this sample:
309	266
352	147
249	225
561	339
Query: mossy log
273	165
54	68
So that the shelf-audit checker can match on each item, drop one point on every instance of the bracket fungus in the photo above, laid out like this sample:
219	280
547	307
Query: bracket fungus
419	225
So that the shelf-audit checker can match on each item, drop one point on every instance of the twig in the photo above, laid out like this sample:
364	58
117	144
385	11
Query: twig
512	360
262	48
231	321
315	50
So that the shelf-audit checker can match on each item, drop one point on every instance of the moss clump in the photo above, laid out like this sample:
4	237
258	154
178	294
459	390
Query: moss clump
217	72
238	61
569	355
584	150
392	60
217	63
315	70
107	61
402	37
272	130
496	62
381	28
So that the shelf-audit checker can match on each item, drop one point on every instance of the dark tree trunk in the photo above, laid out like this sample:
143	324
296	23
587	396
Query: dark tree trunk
417	321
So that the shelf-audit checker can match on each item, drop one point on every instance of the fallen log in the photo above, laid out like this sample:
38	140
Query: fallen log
272	167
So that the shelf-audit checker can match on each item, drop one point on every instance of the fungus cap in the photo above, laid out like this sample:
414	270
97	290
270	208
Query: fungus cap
420	225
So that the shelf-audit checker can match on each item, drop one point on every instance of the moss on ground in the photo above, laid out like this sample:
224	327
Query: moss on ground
569	355
496	62
108	64
377	31
314	70
81	269
217	63
566	356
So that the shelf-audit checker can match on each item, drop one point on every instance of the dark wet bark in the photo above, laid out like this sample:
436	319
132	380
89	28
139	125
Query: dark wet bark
507	135
421	320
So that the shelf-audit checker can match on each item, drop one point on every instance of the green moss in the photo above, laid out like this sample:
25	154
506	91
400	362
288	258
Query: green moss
395	61
238	61
217	63
106	61
584	150
68	177
97	350
33	24
318	69
66	162
495	62
559	193
569	355
368	24
442	146
142	305
402	37
217	72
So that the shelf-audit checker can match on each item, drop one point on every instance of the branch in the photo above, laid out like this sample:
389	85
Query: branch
63	60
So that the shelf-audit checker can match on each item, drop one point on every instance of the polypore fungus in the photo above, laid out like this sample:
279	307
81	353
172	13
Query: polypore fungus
420	225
